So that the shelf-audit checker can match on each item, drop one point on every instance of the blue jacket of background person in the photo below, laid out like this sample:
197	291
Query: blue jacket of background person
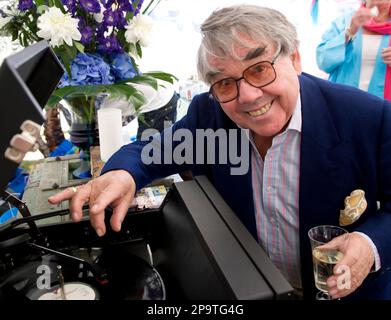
342	61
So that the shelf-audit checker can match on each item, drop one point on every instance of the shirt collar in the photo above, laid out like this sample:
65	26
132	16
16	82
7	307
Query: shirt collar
295	122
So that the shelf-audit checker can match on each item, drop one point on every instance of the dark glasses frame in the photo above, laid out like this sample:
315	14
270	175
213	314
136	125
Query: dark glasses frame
271	63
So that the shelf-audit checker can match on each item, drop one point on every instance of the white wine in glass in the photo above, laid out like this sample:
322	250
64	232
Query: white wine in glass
324	260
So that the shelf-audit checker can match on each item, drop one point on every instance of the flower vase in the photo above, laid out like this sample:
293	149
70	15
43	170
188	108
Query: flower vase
84	128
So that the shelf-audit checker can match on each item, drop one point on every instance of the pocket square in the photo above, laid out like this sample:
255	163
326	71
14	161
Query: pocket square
355	205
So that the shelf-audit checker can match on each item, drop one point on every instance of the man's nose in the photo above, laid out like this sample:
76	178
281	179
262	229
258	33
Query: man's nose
247	92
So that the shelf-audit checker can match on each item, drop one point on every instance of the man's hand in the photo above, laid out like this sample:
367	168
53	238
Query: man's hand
386	55
114	187
353	268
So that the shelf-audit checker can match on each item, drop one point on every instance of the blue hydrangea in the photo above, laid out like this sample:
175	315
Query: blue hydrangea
122	67
88	69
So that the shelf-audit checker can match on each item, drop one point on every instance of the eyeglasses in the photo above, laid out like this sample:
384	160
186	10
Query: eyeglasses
258	75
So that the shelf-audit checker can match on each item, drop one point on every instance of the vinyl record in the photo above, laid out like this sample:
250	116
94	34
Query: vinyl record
132	278
129	277
73	291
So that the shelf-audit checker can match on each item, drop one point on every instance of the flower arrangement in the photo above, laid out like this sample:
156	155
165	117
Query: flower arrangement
97	41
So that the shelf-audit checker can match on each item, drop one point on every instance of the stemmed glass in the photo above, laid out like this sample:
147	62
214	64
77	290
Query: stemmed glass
324	260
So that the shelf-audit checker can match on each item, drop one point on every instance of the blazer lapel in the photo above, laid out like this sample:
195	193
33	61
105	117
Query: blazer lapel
322	165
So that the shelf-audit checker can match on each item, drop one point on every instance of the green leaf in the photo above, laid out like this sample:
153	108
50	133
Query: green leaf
67	54
148	6
59	5
14	35
147	11
140	117
42	8
168	77
132	49
71	51
116	90
78	46
135	65
126	47
66	61
122	39
52	101
40	2
22	39
139	50
137	102
144	79
129	16
134	4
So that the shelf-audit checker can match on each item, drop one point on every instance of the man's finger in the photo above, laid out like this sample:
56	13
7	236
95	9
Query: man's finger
97	220
119	213
335	243
80	197
66	194
99	200
103	198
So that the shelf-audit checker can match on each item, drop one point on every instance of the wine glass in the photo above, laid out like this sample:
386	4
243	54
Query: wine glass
324	260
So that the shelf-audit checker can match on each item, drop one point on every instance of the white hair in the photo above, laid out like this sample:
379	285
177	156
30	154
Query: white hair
221	33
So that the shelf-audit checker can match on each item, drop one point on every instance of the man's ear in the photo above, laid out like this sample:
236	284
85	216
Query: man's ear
296	61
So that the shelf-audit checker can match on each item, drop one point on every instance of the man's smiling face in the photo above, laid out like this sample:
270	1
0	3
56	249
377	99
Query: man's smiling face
267	110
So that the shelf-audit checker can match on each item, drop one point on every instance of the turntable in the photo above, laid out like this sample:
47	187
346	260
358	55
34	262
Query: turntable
151	258
192	247
107	271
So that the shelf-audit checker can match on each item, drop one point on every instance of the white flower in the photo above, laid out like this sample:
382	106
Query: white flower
139	29
58	27
98	17
12	9
4	21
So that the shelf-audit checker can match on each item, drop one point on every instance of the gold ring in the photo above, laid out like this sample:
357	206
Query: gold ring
74	189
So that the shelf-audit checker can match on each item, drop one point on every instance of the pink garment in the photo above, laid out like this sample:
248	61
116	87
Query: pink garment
383	28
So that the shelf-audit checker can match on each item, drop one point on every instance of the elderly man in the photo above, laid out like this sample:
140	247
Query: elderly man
311	144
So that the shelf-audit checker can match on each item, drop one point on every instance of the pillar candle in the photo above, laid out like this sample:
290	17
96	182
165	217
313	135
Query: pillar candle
110	133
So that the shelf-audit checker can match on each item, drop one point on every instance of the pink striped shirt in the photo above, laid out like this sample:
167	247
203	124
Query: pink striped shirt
275	182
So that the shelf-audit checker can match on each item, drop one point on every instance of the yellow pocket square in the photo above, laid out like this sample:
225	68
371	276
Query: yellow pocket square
355	205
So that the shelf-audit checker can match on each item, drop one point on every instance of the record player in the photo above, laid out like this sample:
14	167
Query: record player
191	247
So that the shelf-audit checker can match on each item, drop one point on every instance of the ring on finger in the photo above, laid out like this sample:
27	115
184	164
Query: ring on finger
74	189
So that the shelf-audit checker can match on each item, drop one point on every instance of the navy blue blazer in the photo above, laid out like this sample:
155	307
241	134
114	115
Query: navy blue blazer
345	145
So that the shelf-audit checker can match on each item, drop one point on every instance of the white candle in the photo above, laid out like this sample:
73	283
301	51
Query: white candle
110	131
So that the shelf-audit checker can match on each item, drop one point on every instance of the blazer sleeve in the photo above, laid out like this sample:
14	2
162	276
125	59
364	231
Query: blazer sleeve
153	159
332	51
378	227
